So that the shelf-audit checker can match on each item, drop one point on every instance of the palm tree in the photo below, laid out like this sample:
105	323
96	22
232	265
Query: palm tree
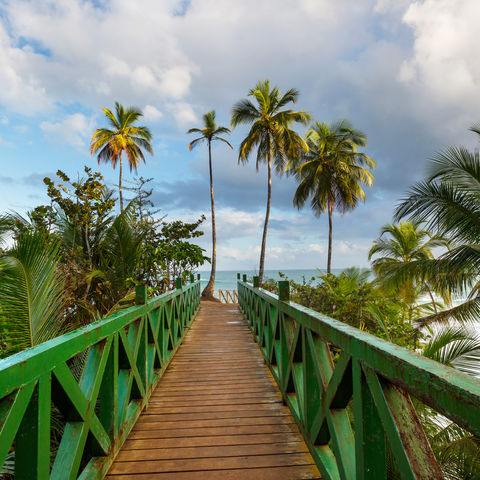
124	137
210	133
402	243
447	201
271	134
332	171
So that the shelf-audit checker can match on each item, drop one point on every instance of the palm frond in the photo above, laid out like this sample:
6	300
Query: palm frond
31	291
244	112
467	312
223	140
195	143
455	347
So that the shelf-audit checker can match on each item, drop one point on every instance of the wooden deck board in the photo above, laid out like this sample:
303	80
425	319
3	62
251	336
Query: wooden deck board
216	413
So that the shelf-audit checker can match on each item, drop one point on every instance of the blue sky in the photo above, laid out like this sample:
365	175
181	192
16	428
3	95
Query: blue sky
406	72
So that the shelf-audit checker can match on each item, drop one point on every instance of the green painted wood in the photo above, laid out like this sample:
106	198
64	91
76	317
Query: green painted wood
125	356
370	445
32	443
140	294
322	364
409	445
284	290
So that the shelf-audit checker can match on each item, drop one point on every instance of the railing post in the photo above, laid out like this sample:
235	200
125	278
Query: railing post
284	290
198	276
178	282
244	277
192	278
32	443
256	282
238	276
140	295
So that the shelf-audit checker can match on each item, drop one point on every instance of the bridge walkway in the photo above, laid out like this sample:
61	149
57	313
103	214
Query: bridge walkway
216	413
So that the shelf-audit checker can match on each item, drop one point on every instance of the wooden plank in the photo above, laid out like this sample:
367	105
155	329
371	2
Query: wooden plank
205	431
234	401
218	440
307	472
211	452
215	422
215	408
155	416
216	463
213	388
215	396
216	413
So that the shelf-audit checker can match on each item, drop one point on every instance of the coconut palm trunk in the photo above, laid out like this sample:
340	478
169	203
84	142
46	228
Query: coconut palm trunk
210	133
120	184
208	290
267	216
330	236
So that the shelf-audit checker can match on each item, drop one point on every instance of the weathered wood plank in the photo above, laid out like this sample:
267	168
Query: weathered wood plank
211	452
218	440
273	473
213	463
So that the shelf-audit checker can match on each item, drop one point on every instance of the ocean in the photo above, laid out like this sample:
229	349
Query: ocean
227	279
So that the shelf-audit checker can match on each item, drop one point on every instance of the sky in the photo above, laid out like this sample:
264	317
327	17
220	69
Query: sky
405	72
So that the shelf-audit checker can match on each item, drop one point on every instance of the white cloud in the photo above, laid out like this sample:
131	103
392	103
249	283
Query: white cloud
445	60
74	52
315	247
175	81
151	113
351	248
20	88
248	257
183	113
74	130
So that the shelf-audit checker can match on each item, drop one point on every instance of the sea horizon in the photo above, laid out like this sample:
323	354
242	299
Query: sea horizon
227	279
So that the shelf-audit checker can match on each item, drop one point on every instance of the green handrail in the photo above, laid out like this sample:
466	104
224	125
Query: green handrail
321	365
124	355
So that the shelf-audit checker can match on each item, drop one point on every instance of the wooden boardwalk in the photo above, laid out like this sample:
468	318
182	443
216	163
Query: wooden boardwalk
216	414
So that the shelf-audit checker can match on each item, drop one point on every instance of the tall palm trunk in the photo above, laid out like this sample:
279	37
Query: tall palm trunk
267	216
120	184
330	236
208	290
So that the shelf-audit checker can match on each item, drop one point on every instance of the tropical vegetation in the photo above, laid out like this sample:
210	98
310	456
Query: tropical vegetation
209	133
75	261
271	135
447	203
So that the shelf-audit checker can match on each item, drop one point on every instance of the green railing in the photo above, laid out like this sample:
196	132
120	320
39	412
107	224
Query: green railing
321	365
122	357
